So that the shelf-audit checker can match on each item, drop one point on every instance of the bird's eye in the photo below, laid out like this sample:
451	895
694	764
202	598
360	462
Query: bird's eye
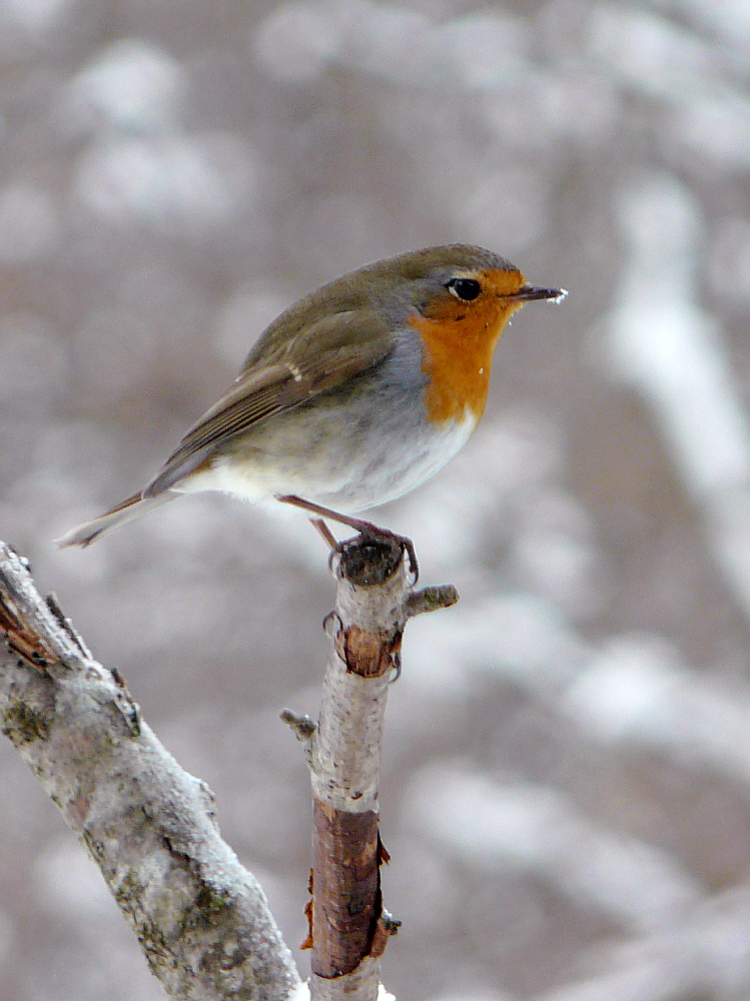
465	289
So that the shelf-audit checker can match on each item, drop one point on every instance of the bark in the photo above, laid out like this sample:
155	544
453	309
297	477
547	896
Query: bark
349	925
202	919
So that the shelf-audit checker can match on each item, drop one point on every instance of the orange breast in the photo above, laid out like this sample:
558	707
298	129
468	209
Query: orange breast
458	348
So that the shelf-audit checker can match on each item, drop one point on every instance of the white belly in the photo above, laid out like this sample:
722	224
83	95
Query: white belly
383	470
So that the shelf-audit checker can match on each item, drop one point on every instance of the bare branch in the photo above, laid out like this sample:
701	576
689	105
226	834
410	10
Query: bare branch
350	927
202	919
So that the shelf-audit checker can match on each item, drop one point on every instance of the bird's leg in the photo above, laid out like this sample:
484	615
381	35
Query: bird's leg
325	533
365	528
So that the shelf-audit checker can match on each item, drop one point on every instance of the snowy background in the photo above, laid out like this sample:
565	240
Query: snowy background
566	796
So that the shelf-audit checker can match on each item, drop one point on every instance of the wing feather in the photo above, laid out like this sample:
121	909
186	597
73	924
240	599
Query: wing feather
346	346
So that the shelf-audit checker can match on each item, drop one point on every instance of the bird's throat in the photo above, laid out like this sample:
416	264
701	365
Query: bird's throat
457	361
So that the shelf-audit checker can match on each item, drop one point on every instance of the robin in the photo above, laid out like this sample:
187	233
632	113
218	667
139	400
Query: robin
355	395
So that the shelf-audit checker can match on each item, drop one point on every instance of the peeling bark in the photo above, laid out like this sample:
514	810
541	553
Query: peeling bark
350	927
202	919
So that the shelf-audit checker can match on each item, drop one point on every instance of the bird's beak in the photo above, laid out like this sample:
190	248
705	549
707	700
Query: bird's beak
526	293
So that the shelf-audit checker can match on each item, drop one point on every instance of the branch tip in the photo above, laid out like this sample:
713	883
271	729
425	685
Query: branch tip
304	727
430	599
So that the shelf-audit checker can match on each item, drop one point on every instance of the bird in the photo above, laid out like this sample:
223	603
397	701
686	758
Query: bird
354	395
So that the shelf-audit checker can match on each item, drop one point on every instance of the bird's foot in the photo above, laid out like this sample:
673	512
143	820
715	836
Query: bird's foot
366	529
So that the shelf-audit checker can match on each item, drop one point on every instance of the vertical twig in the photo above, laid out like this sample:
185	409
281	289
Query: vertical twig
349	926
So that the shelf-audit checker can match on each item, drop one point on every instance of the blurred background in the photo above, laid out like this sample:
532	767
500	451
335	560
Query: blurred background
566	790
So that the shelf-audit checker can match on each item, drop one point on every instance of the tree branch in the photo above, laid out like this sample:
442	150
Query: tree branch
202	919
374	599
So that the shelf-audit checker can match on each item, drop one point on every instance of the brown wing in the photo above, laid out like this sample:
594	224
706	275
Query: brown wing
349	344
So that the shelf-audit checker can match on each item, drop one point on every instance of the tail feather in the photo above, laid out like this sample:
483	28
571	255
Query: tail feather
128	510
